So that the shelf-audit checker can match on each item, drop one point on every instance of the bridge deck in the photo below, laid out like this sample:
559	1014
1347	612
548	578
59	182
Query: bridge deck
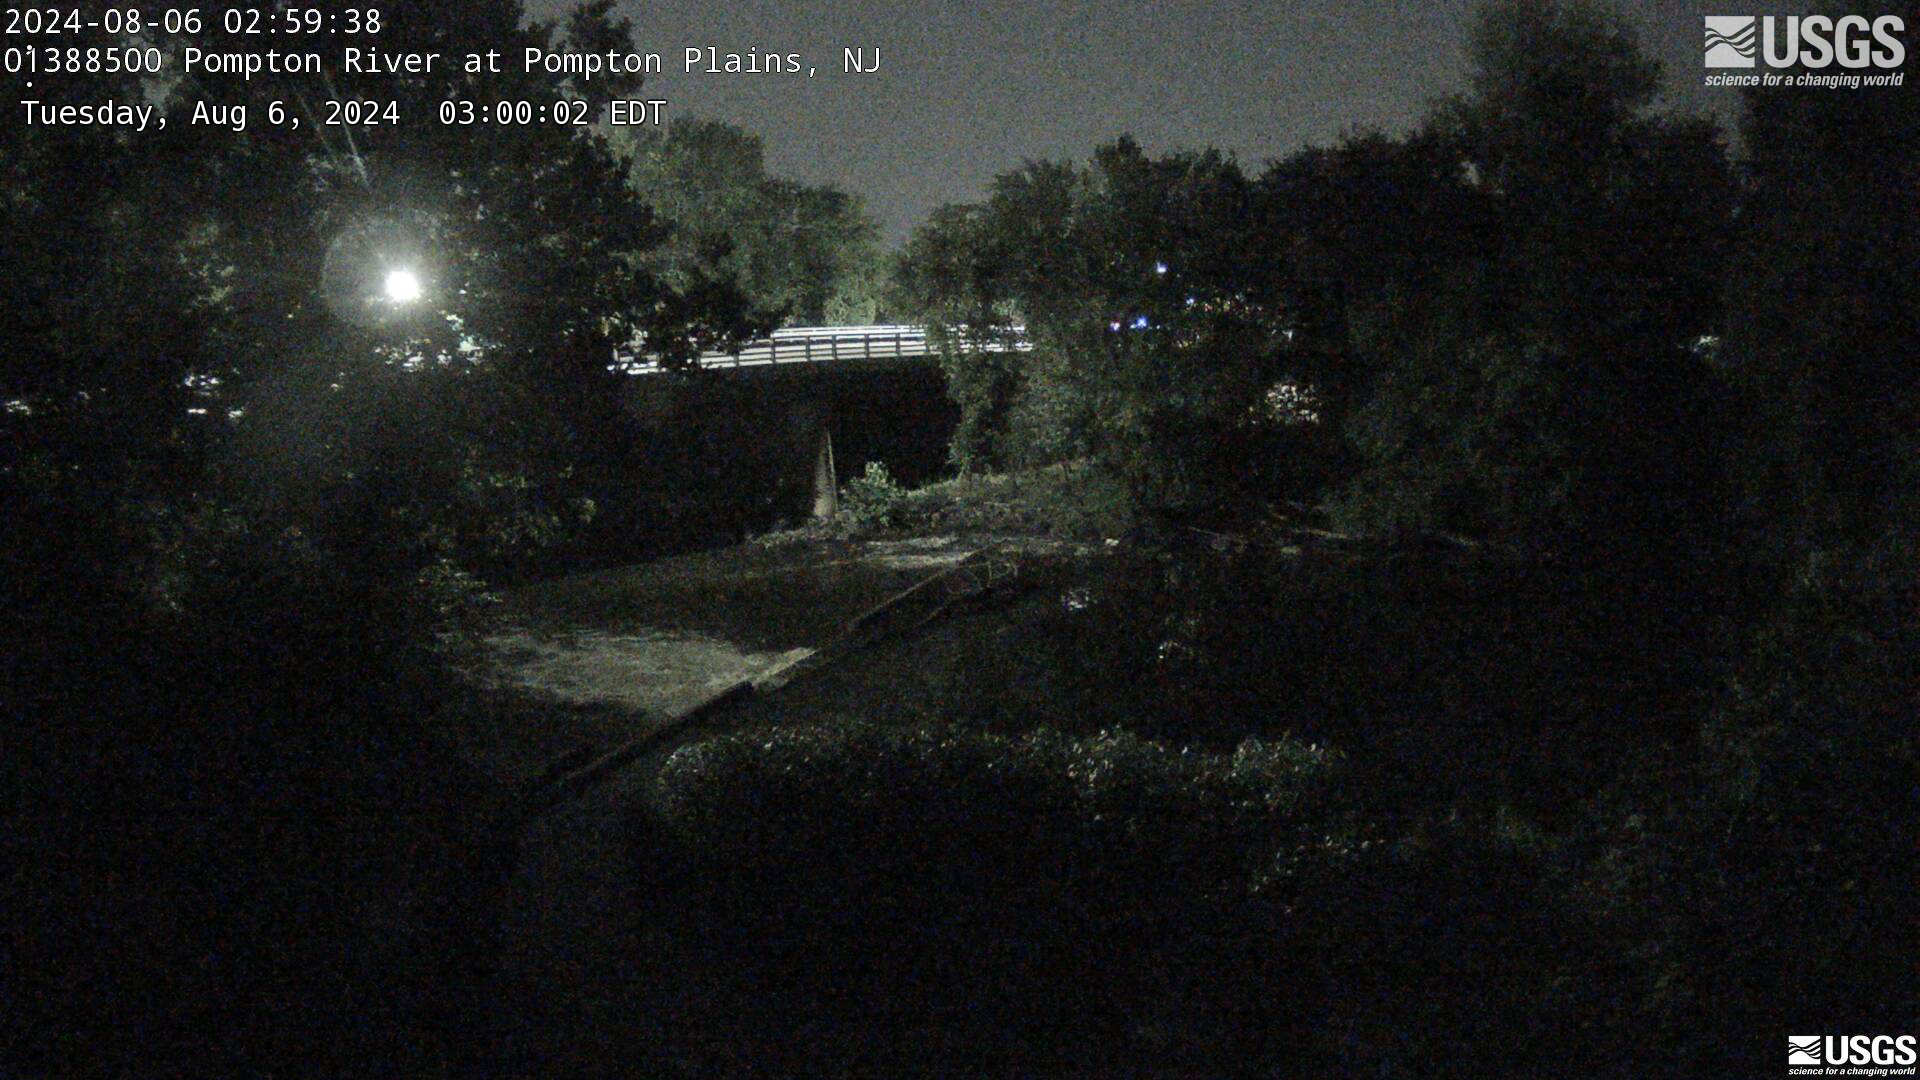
824	344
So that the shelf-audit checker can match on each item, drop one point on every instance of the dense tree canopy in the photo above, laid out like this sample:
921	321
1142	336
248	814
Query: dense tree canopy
802	254
216	304
241	486
1538	373
1157	326
1503	314
1641	718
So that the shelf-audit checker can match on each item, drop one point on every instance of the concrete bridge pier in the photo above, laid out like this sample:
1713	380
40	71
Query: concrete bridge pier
826	489
809	419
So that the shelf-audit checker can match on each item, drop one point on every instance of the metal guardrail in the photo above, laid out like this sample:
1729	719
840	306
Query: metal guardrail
824	344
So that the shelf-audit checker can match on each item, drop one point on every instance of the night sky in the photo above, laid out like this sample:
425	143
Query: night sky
969	90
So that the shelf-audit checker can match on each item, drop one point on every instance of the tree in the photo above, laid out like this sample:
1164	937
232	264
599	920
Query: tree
1543	385
953	277
97	336
1365	223
1176	381
1825	315
802	254
194	332
476	420
1152	306
232	475
1810	750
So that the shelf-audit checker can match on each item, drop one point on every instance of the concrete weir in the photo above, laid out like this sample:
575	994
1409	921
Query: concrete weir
663	673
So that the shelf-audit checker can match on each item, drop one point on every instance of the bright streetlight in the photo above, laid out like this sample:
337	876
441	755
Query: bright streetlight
402	286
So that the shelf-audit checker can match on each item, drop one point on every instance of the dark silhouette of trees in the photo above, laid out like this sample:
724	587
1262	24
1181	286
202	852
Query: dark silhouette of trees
1667	399
956	278
1811	748
1157	324
242	488
1540	379
803	254
1505	315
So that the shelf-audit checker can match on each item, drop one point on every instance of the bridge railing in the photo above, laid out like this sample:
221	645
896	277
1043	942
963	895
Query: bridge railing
820	344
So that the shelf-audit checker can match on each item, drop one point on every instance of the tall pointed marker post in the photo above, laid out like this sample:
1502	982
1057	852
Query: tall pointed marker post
826	490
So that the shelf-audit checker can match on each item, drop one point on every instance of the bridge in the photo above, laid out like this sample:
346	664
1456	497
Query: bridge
811	413
827	345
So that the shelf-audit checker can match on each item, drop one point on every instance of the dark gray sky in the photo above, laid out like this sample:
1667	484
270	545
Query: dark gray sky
967	90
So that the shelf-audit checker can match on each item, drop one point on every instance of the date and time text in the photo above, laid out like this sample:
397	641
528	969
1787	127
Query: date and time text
44	45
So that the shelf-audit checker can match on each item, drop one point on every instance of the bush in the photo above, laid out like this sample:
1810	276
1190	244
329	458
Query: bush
821	792
907	891
874	898
1805	824
250	799
875	499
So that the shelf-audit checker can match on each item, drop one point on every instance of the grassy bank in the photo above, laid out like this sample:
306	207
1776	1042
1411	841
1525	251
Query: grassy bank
1037	839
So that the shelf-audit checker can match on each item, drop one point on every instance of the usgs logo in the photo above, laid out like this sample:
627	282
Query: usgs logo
1852	1050
1811	41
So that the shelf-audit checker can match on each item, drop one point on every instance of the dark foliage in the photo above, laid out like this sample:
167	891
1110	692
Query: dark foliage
242	498
1581	743
804	255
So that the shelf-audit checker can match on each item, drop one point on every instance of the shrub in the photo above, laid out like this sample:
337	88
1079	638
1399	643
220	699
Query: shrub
875	799
873	898
875	499
1027	898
